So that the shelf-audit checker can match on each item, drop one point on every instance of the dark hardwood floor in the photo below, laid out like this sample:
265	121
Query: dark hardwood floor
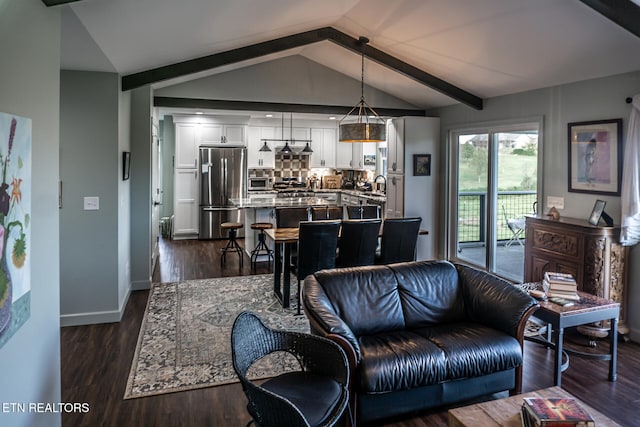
96	361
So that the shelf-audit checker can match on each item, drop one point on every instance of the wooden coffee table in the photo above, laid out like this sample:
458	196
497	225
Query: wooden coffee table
506	412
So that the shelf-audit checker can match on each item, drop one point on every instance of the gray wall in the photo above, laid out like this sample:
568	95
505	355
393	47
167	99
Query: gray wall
89	166
29	87
141	110
596	99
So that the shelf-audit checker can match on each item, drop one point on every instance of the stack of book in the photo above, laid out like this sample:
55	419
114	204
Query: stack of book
561	285
554	412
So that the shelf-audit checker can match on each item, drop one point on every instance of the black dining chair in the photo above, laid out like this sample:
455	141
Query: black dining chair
317	245
291	217
319	213
363	212
314	395
399	239
358	242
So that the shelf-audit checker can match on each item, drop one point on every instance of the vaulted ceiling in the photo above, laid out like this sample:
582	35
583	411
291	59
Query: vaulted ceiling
484	48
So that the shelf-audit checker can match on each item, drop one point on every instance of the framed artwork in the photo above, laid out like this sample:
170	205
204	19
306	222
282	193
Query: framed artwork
126	165
15	224
595	157
422	165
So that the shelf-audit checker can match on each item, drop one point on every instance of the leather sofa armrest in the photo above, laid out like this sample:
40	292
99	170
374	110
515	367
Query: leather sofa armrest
323	319
495	302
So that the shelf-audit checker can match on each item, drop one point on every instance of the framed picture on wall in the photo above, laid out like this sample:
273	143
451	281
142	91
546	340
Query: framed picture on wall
422	165
595	157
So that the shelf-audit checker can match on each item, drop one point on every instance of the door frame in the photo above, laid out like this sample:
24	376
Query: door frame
450	216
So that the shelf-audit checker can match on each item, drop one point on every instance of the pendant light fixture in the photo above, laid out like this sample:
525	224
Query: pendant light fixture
265	147
307	149
363	130
286	149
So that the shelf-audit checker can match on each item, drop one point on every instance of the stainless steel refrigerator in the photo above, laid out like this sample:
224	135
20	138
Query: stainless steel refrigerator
223	176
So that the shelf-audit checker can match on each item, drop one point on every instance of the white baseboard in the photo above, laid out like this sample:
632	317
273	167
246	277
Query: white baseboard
80	319
141	285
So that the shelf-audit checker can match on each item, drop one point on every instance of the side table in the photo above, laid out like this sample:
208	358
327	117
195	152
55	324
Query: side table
589	309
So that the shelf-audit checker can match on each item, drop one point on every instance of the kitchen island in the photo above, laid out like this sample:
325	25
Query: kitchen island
261	208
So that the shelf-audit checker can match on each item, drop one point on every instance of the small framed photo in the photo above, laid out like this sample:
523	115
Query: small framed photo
596	213
595	157
369	159
422	165
126	165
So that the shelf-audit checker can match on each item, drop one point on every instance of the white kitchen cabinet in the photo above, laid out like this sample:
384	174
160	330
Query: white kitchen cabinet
222	134
395	196
323	144
257	159
395	146
185	206
186	151
344	155
357	159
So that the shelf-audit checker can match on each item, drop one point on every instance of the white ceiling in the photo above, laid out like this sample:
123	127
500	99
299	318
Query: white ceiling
487	47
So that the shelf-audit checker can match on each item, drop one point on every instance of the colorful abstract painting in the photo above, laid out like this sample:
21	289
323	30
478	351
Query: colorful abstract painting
15	227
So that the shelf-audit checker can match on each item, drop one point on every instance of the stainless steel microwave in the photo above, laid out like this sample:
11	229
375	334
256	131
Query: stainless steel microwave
261	183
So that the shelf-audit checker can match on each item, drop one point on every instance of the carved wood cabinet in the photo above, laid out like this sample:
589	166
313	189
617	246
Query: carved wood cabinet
591	253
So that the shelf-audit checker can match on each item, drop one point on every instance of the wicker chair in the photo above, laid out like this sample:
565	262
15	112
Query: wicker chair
317	395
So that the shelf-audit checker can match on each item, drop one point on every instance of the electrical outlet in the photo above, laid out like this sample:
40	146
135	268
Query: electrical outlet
558	202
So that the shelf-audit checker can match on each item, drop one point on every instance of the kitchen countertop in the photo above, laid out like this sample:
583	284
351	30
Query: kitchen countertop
372	195
271	201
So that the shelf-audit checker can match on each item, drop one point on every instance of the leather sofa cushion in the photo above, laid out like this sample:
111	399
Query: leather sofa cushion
365	298
402	360
430	292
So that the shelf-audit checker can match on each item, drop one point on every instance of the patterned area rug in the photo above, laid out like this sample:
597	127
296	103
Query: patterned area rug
185	337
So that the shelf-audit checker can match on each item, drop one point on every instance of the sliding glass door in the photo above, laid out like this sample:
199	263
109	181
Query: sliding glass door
493	185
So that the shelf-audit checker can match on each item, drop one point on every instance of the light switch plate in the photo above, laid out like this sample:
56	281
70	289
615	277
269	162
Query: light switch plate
91	203
558	202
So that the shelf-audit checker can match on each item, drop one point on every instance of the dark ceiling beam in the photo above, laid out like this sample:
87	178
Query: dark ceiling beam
257	50
623	12
219	104
50	3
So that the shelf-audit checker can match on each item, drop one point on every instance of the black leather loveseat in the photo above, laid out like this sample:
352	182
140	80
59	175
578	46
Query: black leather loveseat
420	334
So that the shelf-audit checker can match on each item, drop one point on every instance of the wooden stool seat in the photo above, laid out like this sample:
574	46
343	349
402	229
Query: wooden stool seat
261	248
231	225
261	226
232	245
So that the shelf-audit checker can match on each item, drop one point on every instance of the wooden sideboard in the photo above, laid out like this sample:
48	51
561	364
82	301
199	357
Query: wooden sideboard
591	253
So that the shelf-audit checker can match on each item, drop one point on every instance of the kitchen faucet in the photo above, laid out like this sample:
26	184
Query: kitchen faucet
375	180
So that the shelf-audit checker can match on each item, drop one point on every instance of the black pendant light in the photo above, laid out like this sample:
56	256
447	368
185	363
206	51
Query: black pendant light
286	149
265	148
307	149
362	130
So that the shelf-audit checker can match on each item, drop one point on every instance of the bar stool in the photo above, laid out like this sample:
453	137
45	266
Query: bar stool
232	244
261	247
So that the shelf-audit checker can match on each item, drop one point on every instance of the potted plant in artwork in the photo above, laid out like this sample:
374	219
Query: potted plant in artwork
13	222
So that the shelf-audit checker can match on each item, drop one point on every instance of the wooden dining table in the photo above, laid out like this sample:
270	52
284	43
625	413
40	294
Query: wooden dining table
284	238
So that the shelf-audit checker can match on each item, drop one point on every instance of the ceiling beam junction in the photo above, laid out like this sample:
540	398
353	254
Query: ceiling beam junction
625	13
50	3
257	50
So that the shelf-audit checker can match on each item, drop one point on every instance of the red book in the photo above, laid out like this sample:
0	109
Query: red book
557	412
